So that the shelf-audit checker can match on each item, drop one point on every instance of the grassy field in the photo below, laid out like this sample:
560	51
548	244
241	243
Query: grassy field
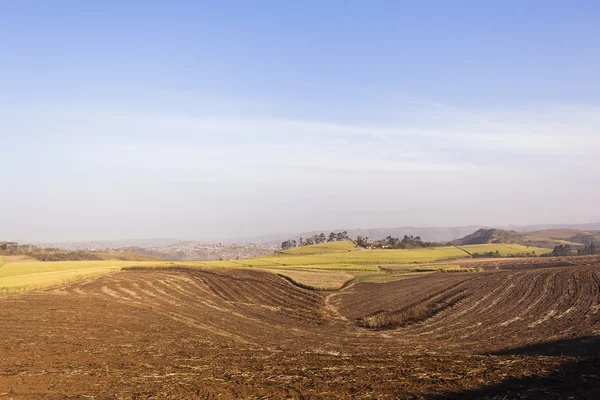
21	276
43	280
316	279
335	261
504	249
356	256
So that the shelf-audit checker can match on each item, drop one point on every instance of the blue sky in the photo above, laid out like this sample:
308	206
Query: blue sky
209	120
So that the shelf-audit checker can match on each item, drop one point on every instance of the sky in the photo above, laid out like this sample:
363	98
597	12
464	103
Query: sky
214	120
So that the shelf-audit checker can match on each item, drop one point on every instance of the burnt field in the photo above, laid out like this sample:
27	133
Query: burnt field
531	331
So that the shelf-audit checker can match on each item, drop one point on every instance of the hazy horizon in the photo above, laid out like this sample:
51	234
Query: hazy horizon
216	121
282	235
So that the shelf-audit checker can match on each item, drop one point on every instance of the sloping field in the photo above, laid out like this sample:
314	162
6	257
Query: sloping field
346	254
505	250
338	256
315	279
492	264
332	247
234	333
487	310
21	274
360	256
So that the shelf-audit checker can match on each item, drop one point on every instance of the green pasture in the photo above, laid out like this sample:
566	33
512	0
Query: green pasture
338	256
31	275
505	250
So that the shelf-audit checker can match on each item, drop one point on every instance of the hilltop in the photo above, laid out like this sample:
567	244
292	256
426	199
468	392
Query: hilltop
490	236
544	238
440	234
55	254
574	237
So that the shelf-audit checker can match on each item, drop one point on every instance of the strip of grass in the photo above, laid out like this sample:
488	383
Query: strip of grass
504	250
33	275
444	268
315	279
44	280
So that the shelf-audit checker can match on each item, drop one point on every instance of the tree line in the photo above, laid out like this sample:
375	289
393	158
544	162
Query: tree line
407	242
316	239
563	250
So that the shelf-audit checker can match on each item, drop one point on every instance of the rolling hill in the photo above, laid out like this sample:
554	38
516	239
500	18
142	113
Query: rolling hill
544	238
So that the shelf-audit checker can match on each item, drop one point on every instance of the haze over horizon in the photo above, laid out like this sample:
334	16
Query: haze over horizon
232	119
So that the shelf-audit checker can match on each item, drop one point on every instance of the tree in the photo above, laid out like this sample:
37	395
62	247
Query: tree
562	250
362	241
322	238
341	236
288	244
589	249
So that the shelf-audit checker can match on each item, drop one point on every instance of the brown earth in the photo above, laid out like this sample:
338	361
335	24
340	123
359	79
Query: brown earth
193	334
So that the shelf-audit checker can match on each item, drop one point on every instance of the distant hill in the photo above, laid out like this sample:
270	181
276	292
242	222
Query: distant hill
429	234
488	236
574	237
103	245
544	238
53	254
434	234
536	228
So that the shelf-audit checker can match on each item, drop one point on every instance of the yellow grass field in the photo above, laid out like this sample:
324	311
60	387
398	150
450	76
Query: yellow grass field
336	261
505	249
43	280
315	279
359	256
28	275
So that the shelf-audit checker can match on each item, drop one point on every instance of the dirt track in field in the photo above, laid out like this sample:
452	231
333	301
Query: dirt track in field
190	333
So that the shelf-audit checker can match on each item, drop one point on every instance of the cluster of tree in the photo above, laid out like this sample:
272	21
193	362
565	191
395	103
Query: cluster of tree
590	249
407	242
45	254
562	250
65	256
13	248
315	239
489	254
362	241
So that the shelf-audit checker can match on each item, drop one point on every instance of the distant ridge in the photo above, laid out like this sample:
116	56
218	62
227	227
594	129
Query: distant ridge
485	236
112	244
430	234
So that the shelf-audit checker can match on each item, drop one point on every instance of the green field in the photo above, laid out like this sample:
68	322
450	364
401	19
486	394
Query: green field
31	275
505	250
326	254
339	256
334	247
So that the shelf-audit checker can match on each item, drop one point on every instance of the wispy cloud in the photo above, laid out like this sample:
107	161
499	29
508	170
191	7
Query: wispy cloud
124	165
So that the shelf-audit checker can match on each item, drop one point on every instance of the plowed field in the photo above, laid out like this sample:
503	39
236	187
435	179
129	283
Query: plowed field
233	333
